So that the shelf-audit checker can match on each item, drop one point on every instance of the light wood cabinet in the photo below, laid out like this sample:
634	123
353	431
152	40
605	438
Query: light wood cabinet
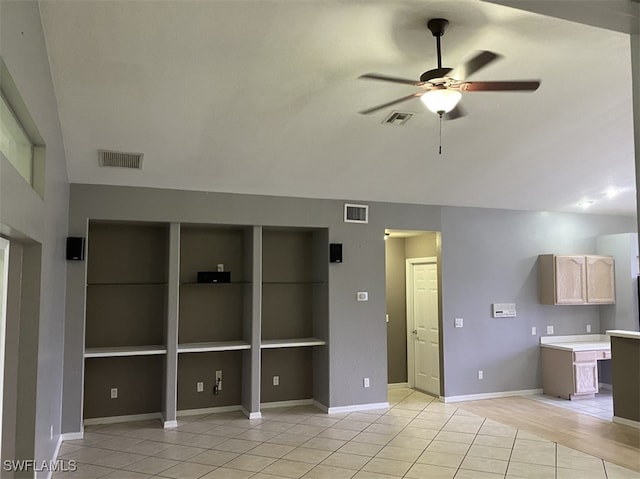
568	374
576	279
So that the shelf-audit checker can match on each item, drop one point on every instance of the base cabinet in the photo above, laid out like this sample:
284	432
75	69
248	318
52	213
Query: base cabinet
568	374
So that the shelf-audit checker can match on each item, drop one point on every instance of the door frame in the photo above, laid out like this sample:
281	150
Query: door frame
4	280
409	263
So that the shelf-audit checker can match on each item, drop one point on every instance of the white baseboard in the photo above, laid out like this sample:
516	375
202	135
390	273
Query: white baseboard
72	436
251	415
292	403
117	419
398	386
208	410
503	394
55	454
626	422
357	407
605	386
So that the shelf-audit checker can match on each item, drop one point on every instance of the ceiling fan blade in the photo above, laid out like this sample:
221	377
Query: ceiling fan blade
456	113
385	105
468	68
522	85
376	76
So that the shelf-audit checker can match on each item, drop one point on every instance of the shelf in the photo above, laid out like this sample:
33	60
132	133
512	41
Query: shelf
123	351
293	282
291	343
126	284
215	284
212	346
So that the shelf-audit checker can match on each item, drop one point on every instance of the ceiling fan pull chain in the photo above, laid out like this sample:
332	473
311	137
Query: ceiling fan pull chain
440	145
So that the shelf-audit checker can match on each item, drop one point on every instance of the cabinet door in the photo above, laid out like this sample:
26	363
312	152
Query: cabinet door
600	280
586	378
570	280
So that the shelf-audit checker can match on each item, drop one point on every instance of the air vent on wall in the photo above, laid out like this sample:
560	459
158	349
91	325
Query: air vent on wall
397	118
356	213
118	159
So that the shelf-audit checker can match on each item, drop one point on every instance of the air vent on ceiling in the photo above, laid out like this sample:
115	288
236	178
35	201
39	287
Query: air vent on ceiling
356	213
397	118
119	159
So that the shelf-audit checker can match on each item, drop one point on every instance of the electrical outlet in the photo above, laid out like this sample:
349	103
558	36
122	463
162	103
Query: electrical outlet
480	374
458	322
588	328
199	386
549	329
51	432
534	331
220	267
276	380
365	382
114	393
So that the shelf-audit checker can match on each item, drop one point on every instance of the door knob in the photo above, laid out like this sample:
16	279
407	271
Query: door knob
415	331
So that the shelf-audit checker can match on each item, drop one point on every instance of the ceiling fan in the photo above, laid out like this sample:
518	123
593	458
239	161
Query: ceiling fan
441	87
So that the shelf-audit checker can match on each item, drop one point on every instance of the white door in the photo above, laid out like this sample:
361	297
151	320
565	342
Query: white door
4	277
423	305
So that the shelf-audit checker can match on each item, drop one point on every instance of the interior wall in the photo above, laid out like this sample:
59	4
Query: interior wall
40	224
487	256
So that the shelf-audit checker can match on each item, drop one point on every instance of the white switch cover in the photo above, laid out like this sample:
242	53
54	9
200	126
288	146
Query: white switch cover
365	382
114	393
458	322
387	318
276	380
480	374
549	329
588	328
534	331
362	296
199	387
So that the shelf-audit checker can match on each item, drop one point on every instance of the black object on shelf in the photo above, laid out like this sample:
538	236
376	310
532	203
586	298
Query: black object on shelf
214	276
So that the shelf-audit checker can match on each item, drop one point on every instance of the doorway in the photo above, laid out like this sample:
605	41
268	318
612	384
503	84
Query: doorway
423	344
4	279
413	295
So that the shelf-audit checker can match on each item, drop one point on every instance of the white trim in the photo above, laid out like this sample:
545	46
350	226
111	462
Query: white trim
320	406
72	436
292	403
116	419
169	424
4	287
626	422
208	410
358	407
398	385
503	394
251	415
55	454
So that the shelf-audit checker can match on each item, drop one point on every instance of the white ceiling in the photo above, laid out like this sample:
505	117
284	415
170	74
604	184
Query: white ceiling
262	97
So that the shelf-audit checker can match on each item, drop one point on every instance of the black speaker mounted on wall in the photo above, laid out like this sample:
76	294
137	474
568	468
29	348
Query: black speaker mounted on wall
335	252
75	248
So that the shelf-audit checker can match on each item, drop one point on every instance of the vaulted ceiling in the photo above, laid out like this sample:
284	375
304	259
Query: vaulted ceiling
262	97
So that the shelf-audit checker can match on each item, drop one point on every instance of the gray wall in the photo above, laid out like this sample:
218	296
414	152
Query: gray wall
624	313
40	224
489	256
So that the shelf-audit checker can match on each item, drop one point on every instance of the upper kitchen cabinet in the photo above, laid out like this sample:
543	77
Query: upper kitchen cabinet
576	279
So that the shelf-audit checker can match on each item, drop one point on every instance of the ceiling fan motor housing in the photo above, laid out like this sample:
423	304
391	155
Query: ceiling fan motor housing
437	26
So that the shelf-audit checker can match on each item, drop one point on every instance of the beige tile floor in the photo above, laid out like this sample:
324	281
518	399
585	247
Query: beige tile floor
417	437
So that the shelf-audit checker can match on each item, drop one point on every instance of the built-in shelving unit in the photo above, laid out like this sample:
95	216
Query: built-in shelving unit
294	297
149	321
125	318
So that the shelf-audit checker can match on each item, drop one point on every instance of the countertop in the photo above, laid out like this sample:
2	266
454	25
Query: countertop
581	342
618	333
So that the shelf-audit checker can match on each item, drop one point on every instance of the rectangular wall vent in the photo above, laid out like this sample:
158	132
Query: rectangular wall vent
356	213
118	159
397	118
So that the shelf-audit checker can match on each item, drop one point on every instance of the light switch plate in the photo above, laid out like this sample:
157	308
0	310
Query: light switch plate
458	322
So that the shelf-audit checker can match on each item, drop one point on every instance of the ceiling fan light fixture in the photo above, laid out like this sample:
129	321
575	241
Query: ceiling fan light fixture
441	100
